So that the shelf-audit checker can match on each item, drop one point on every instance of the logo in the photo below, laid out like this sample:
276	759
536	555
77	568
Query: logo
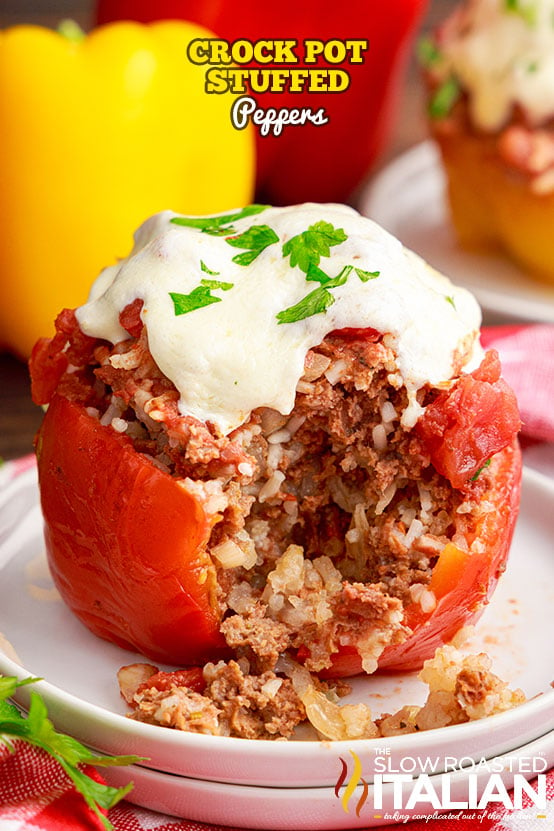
409	783
353	782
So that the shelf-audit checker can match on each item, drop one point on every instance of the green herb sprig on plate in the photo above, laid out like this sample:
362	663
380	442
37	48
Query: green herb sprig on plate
37	729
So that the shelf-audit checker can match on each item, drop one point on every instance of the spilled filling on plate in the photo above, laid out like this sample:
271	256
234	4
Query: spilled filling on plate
226	699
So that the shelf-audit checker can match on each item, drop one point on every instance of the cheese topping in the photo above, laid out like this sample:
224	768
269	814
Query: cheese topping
502	53
232	306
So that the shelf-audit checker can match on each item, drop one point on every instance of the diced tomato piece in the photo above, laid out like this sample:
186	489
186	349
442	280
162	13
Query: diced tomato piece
47	365
469	423
51	356
130	317
192	678
357	333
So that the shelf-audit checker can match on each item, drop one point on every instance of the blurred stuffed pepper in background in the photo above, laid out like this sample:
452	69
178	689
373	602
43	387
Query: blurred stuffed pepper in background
310	162
98	132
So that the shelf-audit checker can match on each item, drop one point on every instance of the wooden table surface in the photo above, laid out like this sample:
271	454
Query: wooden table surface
19	417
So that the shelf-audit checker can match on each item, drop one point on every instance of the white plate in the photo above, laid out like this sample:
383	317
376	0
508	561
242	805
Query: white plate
303	809
408	199
81	689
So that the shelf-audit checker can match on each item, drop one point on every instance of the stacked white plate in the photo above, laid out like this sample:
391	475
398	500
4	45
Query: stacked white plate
287	784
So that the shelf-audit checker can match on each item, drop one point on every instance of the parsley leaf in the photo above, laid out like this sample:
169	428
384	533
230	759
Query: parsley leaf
340	279
307	248
450	299
198	298
206	270
316	274
366	275
527	11
38	730
319	300
428	53
481	469
218	225
216	284
256	239
316	302
444	98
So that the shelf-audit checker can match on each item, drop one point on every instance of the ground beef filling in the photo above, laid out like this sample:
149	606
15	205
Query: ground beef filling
329	520
233	702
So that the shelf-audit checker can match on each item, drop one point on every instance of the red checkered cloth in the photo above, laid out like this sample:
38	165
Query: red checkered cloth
36	795
527	354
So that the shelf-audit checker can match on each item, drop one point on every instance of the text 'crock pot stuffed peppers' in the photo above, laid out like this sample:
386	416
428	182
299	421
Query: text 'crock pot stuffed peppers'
273	434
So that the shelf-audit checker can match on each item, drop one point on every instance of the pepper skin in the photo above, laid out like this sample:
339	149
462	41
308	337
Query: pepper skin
97	134
125	542
311	163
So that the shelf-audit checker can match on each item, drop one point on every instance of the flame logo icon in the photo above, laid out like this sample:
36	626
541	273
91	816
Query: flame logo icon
353	782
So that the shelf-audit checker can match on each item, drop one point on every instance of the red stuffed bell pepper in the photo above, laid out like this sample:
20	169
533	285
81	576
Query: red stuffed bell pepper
310	162
361	529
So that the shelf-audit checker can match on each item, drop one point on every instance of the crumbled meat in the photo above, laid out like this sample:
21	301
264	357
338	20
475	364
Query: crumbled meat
178	707
253	706
267	705
233	703
481	693
257	636
369	618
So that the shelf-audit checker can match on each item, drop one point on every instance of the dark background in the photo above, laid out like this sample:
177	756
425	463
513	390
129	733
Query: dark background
19	418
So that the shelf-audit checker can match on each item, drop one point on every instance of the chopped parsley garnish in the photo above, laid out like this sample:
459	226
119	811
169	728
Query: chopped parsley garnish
365	275
444	98
319	300
206	270
256	239
218	225
481	469
307	248
38	730
304	250
527	11
216	284
450	299
199	297
428	53
316	302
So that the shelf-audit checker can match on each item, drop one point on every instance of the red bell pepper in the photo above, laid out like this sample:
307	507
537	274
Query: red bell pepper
125	541
309	162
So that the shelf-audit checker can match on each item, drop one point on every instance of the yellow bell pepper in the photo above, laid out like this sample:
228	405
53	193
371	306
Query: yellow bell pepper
98	133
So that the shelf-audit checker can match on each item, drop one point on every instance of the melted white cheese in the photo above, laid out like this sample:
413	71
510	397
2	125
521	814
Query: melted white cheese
503	54
232	356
